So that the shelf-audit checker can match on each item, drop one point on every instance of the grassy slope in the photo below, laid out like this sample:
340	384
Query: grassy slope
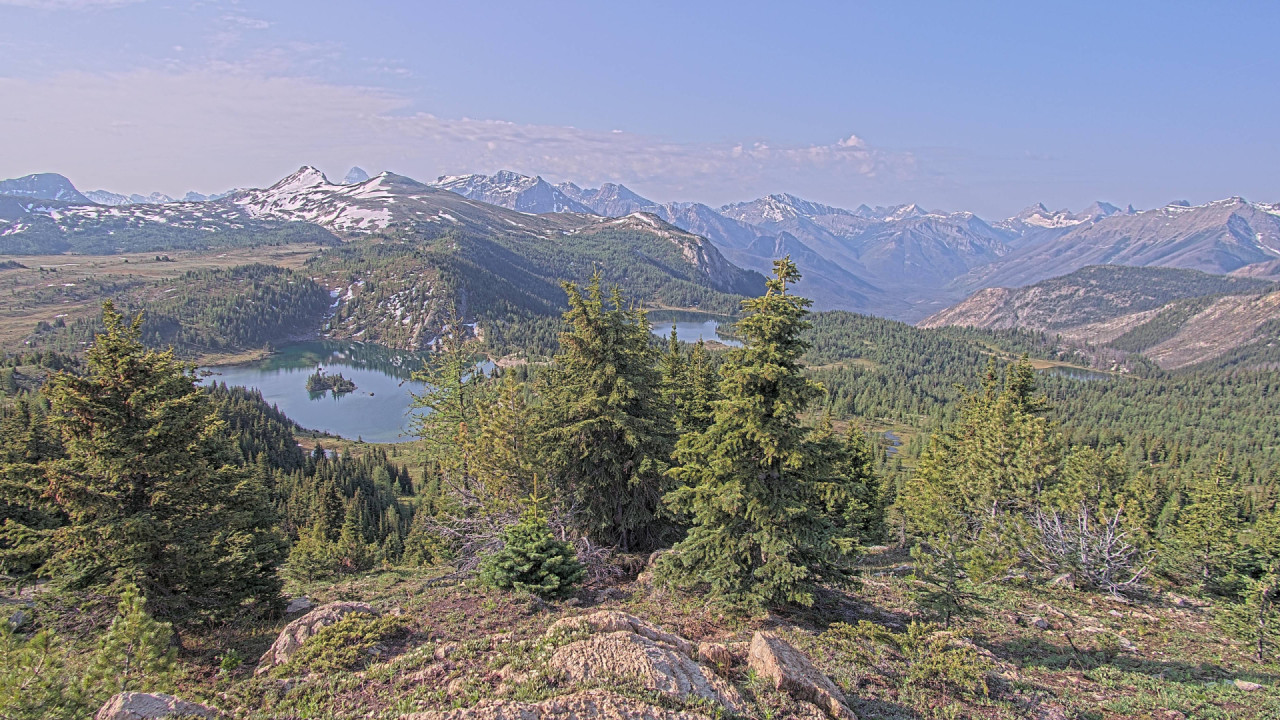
28	296
461	644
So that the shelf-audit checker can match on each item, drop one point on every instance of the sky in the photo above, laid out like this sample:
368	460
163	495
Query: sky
987	107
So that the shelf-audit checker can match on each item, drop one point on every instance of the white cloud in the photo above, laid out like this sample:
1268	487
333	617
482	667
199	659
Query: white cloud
248	23
217	128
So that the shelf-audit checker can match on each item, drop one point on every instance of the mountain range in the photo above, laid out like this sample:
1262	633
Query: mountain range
903	262
907	262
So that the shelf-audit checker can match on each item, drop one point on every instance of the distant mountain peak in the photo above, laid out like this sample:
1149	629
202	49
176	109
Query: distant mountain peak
609	200
44	186
306	176
903	212
514	191
355	175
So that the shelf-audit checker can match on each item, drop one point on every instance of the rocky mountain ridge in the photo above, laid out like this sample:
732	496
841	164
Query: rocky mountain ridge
1174	318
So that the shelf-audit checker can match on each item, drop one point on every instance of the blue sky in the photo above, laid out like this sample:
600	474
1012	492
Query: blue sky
982	106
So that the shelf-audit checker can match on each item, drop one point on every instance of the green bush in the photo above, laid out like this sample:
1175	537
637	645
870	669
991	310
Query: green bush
935	659
348	644
533	560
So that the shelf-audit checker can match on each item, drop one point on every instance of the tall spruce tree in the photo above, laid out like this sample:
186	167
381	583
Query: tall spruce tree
765	500
452	386
149	484
688	384
604	430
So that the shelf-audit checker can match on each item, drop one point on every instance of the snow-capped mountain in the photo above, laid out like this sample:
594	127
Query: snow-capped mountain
1039	224
905	249
307	207
106	197
43	186
114	199
903	261
514	191
609	200
382	201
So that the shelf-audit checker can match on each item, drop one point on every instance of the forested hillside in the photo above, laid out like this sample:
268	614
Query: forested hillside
208	311
1042	540
400	291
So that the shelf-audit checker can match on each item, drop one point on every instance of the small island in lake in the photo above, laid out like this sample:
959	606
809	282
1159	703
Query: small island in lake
318	382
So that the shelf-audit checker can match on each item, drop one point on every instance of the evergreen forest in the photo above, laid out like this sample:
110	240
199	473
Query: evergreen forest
949	523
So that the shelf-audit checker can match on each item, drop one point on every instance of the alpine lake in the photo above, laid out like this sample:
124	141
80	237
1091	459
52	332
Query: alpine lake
379	409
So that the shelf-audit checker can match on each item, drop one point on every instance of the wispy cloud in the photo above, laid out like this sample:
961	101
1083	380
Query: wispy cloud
215	128
248	23
69	4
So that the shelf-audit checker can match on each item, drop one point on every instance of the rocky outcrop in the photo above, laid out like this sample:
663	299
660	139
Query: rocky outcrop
607	621
658	667
715	655
151	706
589	705
297	632
774	659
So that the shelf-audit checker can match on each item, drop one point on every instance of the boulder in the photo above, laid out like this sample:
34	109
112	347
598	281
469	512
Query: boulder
774	659
608	621
625	654
18	619
588	705
151	706
297	632
297	605
716	655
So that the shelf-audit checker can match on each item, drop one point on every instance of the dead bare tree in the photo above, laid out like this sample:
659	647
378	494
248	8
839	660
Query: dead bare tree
1094	550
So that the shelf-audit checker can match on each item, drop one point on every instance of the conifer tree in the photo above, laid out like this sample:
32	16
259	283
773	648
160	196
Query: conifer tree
762	496
312	557
36	680
976	482
532	559
1201	547
452	386
134	654
503	443
352	551
149	483
1256	616
688	384
27	519
604	433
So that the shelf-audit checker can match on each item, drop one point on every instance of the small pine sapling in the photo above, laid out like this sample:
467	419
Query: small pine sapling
532	559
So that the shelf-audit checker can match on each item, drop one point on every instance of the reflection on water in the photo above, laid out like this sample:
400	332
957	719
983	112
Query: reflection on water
1076	373
692	326
378	410
895	443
